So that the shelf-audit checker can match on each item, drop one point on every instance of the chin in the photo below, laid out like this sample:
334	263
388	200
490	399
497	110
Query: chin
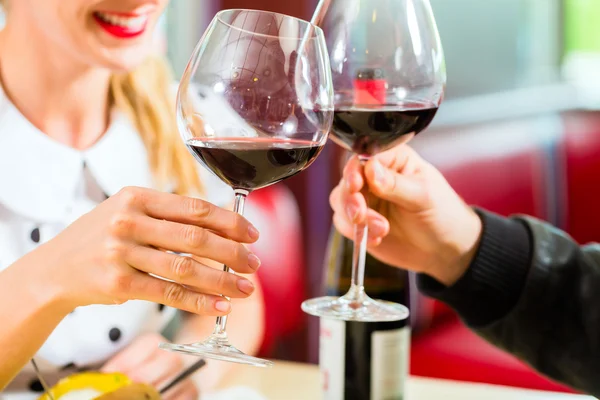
124	61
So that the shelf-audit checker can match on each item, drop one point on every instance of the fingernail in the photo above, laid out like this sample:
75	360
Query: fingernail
245	286
379	173
352	212
253	232
222	305
253	261
378	228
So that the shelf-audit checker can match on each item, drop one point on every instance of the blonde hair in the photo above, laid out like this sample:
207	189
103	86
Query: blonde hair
145	94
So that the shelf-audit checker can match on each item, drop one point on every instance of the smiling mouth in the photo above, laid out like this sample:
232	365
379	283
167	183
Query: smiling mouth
122	25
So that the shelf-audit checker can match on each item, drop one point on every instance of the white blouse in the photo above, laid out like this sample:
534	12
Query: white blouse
45	186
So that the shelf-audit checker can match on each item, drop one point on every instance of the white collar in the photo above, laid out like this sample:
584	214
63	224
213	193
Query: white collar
39	176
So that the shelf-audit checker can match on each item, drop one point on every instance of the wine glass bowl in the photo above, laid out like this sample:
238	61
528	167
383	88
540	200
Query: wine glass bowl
386	56
259	92
389	79
254	106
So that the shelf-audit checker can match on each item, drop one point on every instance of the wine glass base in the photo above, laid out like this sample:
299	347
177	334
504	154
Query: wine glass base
365	310
216	351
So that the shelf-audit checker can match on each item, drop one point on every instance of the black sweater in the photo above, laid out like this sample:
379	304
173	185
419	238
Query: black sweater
534	292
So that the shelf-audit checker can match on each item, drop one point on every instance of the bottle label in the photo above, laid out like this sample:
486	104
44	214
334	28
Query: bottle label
332	354
389	363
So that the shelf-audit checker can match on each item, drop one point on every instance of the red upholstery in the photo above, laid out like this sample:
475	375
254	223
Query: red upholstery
450	351
500	167
582	154
275	213
503	168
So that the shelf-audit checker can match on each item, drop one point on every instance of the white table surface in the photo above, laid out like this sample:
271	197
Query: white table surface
290	381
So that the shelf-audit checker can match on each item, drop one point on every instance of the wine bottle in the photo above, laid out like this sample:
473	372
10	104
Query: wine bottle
363	360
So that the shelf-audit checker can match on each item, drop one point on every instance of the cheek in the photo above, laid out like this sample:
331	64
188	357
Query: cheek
64	30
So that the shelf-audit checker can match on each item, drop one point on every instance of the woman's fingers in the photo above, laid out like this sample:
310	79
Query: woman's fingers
187	271
134	355
186	390
141	286
159	369
194	240
187	210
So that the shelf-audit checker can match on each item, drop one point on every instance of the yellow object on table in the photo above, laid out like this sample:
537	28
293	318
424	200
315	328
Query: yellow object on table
136	391
99	386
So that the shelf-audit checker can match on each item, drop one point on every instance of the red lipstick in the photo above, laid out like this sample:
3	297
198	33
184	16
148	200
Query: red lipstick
116	24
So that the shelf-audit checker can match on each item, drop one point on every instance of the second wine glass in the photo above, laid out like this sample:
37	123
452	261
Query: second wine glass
389	79
255	105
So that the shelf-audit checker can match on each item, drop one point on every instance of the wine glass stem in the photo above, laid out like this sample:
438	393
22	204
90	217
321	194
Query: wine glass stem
240	202
359	253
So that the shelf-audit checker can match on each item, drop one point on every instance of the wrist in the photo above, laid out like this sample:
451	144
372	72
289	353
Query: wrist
44	285
460	249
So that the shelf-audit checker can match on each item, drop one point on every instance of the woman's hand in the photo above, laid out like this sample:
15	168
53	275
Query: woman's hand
144	362
419	222
107	256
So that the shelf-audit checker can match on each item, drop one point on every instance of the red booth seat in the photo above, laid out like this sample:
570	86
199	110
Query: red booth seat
581	152
451	351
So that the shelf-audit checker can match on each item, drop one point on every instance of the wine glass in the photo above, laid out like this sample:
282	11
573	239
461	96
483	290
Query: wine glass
389	79
254	106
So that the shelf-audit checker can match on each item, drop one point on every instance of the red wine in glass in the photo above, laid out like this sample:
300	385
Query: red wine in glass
369	130
250	163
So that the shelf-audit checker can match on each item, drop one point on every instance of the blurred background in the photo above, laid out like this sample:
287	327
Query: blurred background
519	132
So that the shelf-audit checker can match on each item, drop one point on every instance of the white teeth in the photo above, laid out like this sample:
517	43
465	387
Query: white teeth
132	23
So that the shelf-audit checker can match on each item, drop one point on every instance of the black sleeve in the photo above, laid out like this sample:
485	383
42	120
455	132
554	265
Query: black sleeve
534	292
